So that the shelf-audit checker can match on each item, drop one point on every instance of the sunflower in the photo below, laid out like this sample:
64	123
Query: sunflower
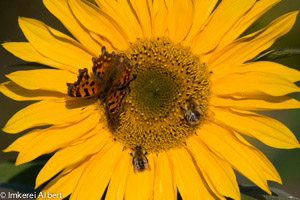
181	119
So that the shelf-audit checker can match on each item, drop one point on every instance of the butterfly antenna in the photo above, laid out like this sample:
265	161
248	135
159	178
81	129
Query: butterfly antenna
103	49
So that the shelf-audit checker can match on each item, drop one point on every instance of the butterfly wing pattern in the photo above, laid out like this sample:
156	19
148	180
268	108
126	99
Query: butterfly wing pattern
84	86
114	102
112	74
126	74
104	63
120	87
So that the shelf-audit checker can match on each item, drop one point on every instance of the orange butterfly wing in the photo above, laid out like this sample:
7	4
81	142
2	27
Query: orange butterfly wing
126	75
113	74
103	63
114	101
84	86
119	87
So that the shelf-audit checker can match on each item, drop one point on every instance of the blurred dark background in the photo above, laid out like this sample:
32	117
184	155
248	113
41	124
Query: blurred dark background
287	162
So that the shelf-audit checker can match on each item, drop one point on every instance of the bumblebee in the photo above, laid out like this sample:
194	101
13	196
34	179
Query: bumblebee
192	112
139	159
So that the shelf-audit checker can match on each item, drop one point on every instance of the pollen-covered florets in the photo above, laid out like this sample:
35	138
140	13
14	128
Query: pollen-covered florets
168	77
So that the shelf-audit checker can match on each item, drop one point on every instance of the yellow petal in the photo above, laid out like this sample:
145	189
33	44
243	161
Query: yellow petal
290	74
160	18
163	180
117	184
253	83
72	154
65	182
15	92
140	184
38	143
187	179
121	12
207	161
277	103
251	45
98	172
55	45
142	10
267	130
18	144
43	79
49	112
126	7
225	145
25	51
224	18
203	9
180	18
61	10
103	42
256	12
92	18
268	169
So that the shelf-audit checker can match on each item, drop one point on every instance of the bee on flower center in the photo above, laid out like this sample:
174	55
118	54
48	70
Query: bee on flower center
192	112
139	159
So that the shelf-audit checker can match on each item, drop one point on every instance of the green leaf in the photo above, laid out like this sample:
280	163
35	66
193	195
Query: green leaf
273	54
255	193
19	178
9	170
245	197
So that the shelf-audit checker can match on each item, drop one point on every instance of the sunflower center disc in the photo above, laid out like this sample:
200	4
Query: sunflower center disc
155	91
154	112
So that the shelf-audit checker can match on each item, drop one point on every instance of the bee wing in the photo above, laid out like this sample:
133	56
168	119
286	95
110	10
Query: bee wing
147	166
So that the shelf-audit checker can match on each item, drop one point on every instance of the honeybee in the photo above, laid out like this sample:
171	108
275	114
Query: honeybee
139	159
192	112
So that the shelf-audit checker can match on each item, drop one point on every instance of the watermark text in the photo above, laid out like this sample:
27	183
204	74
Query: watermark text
34	195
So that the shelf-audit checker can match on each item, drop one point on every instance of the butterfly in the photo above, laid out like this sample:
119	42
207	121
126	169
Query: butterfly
112	74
